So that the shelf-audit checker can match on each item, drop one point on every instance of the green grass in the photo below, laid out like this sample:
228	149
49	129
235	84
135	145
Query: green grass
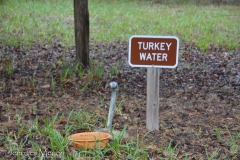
41	135
28	22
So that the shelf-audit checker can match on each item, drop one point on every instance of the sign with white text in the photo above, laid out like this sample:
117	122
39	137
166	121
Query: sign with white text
153	51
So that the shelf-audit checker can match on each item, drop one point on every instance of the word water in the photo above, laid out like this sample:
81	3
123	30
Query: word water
153	56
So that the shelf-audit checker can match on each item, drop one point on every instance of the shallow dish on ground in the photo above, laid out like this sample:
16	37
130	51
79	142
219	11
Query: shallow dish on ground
89	140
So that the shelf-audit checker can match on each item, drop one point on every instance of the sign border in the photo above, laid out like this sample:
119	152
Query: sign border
154	66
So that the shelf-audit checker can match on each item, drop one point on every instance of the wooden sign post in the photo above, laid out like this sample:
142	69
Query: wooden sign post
153	52
152	118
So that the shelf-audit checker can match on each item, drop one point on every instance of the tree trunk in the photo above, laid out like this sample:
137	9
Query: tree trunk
81	21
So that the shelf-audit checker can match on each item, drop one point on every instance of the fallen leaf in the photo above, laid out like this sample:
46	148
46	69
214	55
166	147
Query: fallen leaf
68	84
63	122
46	86
25	103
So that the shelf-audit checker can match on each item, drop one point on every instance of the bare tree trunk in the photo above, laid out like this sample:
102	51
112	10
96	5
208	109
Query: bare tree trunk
81	21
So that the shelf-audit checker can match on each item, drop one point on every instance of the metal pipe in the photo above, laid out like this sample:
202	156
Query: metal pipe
114	87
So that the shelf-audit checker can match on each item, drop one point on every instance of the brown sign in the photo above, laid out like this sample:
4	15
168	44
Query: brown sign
153	51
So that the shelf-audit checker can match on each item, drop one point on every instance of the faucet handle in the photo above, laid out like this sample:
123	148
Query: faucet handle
114	85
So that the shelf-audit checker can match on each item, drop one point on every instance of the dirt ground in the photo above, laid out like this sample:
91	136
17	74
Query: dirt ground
199	100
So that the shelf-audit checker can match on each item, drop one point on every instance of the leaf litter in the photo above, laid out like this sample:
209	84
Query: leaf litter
199	100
